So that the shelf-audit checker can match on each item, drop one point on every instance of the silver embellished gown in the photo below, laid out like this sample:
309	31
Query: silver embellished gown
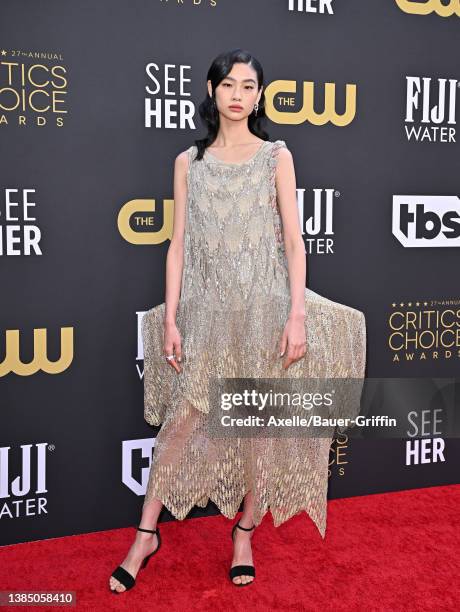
234	303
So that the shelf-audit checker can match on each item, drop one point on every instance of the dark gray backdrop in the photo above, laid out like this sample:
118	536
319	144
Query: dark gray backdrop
91	279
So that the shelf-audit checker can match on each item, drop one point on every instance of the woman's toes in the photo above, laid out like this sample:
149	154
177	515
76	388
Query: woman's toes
116	586
237	580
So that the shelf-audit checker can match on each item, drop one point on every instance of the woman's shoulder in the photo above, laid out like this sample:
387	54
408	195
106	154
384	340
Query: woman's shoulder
186	152
188	155
279	144
183	161
185	155
279	150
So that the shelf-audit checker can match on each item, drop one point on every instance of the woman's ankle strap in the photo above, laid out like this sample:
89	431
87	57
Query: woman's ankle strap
245	528
147	530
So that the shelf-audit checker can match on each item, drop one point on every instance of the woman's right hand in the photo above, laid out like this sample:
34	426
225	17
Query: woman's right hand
172	345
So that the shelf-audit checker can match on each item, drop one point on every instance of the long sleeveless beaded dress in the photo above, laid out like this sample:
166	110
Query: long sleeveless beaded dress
234	303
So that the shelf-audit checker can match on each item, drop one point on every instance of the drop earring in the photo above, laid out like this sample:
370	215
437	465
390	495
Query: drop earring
256	108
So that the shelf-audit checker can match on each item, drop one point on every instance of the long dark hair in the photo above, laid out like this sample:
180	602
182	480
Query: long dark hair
220	68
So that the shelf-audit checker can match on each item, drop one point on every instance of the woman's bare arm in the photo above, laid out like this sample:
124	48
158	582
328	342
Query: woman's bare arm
175	255
295	249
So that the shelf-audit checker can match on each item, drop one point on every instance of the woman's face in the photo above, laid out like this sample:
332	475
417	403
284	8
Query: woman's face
238	89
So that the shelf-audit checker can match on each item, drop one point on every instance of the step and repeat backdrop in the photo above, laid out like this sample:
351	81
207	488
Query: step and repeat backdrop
96	101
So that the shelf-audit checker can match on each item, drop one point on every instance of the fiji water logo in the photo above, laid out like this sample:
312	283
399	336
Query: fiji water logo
23	480
431	109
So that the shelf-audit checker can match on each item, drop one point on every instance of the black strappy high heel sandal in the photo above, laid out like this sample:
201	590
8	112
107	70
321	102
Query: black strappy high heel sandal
123	576
242	570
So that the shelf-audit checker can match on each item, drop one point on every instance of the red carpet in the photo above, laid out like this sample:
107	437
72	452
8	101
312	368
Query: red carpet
391	551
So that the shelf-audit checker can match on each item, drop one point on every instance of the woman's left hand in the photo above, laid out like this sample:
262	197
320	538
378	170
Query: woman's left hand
294	339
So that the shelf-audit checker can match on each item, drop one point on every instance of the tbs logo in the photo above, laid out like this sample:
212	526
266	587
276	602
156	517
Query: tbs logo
426	221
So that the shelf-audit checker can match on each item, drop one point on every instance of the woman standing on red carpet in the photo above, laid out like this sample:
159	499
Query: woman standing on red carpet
236	306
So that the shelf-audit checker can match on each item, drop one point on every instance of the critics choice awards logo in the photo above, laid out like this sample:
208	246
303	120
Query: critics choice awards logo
33	89
424	330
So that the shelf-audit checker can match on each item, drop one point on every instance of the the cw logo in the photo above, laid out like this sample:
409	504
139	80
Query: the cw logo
129	211
307	112
40	361
430	6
